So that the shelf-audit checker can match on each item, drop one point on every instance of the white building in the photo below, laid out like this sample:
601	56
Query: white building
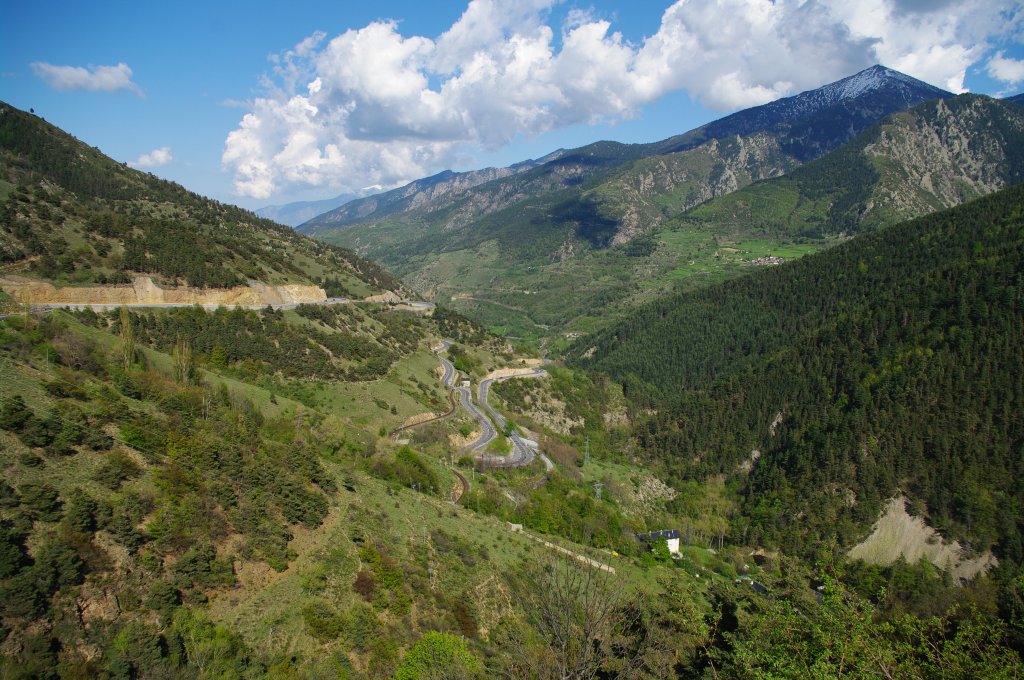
671	537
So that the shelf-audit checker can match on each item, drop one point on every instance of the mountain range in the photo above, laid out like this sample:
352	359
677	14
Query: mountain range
806	125
608	225
295	213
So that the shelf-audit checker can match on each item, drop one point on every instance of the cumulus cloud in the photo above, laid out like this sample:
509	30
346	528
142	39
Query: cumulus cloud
91	78
1006	69
153	159
375	107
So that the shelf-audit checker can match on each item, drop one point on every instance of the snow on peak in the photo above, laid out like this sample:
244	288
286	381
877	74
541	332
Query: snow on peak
873	79
868	80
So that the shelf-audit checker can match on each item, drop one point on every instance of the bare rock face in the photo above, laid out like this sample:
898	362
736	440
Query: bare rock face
99	605
144	291
941	158
671	184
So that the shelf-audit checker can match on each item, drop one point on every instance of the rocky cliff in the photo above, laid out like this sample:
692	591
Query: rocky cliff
945	154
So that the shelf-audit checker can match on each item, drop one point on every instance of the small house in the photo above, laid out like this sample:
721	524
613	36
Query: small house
671	537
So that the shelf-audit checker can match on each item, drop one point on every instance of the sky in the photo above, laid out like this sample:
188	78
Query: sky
267	103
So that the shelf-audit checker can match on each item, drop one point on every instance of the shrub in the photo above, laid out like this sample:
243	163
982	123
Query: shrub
117	468
365	585
80	514
322	621
202	567
439	655
42	499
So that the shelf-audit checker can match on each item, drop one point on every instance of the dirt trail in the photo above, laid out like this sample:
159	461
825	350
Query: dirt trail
144	291
565	551
426	417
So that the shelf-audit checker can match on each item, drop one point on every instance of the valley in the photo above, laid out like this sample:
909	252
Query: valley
556	257
743	402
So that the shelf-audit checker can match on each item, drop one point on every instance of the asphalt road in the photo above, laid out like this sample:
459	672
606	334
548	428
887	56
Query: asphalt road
523	450
488	433
448	379
466	399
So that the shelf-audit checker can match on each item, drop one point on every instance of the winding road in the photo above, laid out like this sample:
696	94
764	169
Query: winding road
523	450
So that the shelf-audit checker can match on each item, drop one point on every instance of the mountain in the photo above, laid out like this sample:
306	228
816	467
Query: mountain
586	200
294	214
440	189
74	217
886	365
934	156
808	124
819	120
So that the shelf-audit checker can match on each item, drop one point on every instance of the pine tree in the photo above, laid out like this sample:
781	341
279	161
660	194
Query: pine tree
127	340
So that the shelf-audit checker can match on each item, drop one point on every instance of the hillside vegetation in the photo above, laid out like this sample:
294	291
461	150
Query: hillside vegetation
73	216
572	259
291	492
889	363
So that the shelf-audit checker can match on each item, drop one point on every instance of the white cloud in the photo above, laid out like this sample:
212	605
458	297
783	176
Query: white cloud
375	107
93	78
1006	69
153	159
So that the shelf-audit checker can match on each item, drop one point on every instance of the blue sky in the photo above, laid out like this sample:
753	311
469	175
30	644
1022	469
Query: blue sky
303	100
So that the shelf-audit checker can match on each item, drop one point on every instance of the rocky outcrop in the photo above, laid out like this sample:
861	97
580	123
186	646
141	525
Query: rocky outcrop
531	366
387	297
659	187
144	291
945	155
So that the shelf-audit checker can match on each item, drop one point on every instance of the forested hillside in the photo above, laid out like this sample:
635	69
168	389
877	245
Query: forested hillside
889	364
71	215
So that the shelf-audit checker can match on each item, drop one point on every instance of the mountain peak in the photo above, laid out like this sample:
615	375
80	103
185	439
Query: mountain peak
831	114
874	78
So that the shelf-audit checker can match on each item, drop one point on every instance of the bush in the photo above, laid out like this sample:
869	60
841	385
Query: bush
13	556
365	585
42	499
322	621
57	565
201	566
20	596
80	515
14	414
410	470
163	597
117	468
439	655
